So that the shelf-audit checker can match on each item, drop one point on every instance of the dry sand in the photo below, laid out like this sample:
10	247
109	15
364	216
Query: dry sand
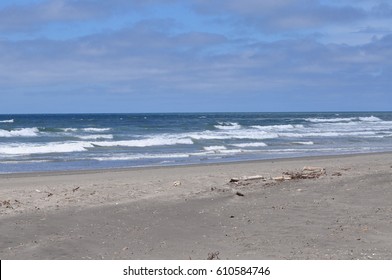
189	212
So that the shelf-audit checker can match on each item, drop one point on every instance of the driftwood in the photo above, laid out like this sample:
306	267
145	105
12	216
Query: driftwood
306	173
246	178
282	178
312	168
239	193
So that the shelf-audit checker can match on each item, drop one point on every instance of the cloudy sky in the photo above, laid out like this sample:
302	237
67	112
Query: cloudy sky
64	56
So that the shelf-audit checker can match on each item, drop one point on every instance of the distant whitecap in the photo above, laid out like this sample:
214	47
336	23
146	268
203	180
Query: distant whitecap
7	121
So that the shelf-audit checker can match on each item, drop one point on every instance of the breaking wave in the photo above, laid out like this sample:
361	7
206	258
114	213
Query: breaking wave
158	141
93	129
370	119
283	127
80	146
140	156
317	120
22	132
55	147
95	136
246	145
7	121
328	134
232	134
214	148
304	143
332	120
228	125
69	129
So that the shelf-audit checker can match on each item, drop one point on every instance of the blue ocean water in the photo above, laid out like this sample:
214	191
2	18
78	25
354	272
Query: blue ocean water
30	143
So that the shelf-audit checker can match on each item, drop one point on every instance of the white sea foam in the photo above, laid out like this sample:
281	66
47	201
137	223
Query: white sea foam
370	119
217	152
214	148
317	120
22	132
383	126
95	136
93	129
156	141
283	127
327	134
378	136
7	121
69	129
54	147
246	145
304	143
232	134
232	151
228	125
141	156
343	120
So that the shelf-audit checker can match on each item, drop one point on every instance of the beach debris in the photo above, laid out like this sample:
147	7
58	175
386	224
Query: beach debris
176	183
246	178
239	193
306	173
213	256
6	203
38	191
282	178
312	168
75	189
336	174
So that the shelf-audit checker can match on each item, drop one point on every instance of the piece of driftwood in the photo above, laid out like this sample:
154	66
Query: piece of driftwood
312	168
239	193
246	178
282	178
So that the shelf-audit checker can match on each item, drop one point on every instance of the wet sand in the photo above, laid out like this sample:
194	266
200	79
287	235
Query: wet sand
191	212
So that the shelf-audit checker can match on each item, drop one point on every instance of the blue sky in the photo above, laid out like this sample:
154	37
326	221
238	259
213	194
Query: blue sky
68	56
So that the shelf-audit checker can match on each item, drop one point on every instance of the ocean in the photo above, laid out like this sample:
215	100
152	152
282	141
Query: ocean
60	142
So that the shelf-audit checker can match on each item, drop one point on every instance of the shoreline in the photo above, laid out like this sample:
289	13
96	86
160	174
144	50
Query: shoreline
187	212
153	167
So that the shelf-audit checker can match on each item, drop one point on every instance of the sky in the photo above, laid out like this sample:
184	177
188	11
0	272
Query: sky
126	56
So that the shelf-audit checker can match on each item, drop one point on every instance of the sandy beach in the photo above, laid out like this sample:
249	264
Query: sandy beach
196	212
